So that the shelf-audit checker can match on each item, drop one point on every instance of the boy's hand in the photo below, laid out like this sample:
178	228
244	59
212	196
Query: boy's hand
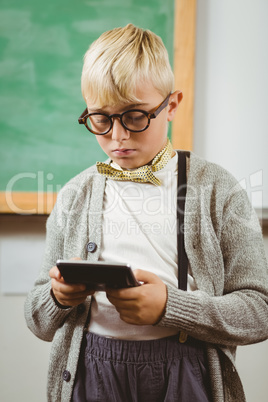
67	294
141	305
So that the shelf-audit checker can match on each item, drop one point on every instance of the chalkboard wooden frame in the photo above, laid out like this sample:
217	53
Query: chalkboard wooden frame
41	203
184	70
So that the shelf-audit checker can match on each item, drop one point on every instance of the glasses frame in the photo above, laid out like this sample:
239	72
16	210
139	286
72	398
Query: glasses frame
150	115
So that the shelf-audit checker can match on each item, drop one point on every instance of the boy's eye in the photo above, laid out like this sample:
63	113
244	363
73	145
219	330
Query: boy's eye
134	116
135	119
99	119
98	123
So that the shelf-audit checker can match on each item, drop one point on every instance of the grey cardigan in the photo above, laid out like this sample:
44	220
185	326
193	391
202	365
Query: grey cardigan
223	241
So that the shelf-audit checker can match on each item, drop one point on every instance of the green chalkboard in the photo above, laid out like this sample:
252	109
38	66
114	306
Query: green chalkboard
41	54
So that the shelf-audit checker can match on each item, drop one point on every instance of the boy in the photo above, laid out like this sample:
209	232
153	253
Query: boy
128	348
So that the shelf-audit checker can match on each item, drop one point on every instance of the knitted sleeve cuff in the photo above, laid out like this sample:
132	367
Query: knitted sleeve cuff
182	309
56	301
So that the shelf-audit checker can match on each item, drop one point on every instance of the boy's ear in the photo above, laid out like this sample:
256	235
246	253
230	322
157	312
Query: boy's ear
174	101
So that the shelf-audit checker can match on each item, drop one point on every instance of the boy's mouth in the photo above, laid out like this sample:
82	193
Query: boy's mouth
123	151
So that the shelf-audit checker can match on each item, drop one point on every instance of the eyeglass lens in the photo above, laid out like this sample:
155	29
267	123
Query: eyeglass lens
132	120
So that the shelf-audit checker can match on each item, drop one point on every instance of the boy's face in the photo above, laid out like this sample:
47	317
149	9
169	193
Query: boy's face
131	150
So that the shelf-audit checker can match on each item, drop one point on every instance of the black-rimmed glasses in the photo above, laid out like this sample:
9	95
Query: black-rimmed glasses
134	120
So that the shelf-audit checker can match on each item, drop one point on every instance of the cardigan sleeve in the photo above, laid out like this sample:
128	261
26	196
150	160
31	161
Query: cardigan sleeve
239	315
67	234
43	316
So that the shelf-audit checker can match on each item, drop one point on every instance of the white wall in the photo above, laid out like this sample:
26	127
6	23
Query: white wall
24	358
231	120
231	96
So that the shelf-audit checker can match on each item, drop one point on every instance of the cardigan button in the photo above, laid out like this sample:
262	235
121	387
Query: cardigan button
91	247
66	375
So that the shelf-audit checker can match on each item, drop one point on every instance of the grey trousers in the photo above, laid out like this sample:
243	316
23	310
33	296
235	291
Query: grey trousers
162	370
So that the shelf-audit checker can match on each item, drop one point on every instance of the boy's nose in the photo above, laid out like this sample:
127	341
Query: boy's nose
119	133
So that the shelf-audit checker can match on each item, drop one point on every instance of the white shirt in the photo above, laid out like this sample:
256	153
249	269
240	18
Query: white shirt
139	228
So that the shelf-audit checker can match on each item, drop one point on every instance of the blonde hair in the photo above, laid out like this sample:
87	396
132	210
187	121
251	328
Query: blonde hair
119	60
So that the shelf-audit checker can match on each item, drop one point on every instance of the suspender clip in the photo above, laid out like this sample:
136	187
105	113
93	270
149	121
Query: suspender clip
183	337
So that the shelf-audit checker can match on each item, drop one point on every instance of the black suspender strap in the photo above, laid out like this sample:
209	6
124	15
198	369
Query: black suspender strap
182	256
181	195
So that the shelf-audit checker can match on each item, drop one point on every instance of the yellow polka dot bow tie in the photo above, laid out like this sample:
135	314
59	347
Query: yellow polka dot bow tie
143	174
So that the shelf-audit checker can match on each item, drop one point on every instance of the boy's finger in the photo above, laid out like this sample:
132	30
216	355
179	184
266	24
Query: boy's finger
69	288
55	273
122	294
146	276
